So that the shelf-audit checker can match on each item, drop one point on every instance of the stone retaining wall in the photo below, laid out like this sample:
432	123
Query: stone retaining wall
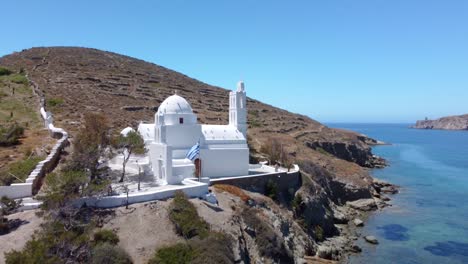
34	181
285	181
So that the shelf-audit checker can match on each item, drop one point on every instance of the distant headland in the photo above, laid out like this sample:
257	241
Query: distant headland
459	122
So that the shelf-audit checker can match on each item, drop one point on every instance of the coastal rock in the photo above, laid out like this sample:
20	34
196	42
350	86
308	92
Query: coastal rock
363	204
390	190
384	187
355	249
449	123
358	222
371	239
381	203
356	152
385	198
333	247
339	217
327	252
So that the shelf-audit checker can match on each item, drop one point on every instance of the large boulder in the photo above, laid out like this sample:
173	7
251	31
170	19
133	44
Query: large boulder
363	204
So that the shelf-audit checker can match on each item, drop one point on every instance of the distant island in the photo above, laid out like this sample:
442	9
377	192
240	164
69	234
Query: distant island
449	123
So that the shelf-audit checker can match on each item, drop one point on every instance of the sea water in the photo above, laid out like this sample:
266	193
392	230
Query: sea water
428	219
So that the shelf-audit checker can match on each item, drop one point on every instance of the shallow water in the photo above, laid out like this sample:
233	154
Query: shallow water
428	222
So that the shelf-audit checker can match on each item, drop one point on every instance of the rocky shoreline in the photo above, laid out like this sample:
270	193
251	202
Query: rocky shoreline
350	218
445	123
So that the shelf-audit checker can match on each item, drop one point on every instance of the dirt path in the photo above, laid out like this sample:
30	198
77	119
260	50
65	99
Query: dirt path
142	228
16	239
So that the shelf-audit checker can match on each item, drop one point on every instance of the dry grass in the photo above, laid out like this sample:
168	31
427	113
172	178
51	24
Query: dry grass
233	190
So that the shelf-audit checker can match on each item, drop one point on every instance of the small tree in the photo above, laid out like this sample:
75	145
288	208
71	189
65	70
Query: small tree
90	144
129	144
61	189
276	152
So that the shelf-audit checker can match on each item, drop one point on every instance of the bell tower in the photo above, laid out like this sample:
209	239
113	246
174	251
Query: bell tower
238	108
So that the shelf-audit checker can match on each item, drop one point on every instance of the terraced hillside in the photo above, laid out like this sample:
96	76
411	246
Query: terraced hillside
127	90
19	114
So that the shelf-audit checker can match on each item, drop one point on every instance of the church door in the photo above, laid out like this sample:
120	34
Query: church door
197	168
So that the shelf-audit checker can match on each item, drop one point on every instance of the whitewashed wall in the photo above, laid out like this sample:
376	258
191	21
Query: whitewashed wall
191	188
224	162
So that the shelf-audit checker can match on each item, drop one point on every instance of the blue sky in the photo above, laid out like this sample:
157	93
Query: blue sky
336	61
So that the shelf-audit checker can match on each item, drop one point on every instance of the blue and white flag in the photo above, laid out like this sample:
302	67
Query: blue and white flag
193	152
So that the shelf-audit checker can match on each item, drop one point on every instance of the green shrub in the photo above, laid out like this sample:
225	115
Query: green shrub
54	102
20	169
106	236
11	135
4	71
322	151
179	253
271	189
35	251
318	230
8	205
254	123
185	217
19	79
268	242
106	253
297	205
216	248
61	189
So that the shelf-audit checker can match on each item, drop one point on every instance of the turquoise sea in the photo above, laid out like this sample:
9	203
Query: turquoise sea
428	222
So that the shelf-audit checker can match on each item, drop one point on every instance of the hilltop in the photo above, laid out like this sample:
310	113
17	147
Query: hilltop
448	123
334	163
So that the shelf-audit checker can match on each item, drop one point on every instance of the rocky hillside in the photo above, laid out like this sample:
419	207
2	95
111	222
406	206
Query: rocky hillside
333	162
449	123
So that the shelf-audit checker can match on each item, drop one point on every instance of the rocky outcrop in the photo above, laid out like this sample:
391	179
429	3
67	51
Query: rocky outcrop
363	204
371	239
353	152
384	187
448	123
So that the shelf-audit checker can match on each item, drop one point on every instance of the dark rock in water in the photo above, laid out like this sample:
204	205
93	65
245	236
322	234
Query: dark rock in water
448	248
384	187
385	198
395	232
355	249
371	239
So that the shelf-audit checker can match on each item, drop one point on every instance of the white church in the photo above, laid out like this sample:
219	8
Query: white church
180	148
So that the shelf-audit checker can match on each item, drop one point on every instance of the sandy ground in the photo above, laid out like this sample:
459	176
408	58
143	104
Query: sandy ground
218	216
16	239
145	227
142	228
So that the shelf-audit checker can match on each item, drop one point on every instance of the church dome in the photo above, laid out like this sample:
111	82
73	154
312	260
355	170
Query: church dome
175	104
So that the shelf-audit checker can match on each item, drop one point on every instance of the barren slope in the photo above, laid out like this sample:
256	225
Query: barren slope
129	90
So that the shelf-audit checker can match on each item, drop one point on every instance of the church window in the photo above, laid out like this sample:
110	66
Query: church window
181	120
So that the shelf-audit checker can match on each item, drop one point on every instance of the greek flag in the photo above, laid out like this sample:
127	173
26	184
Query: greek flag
193	152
